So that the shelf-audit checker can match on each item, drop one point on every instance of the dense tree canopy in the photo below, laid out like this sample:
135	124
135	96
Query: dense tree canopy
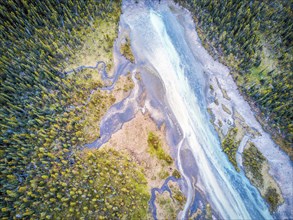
45	114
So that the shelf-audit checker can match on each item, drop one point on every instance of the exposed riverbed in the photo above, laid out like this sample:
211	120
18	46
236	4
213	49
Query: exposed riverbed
176	73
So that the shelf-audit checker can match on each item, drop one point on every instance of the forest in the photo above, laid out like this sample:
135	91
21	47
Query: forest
254	39
45	115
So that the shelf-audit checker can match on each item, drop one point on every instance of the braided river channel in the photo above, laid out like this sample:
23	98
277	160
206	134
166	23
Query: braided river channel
176	73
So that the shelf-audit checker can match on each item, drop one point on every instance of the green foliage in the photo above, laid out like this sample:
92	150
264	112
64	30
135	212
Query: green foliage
255	40
253	163
176	174
155	148
273	198
126	51
230	146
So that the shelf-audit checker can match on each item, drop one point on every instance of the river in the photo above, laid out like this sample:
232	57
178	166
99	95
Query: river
165	45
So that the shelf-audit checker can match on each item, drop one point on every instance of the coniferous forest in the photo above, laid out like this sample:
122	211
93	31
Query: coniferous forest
254	39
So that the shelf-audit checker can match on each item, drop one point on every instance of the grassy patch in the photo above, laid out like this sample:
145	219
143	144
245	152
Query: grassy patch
155	148
225	94
255	168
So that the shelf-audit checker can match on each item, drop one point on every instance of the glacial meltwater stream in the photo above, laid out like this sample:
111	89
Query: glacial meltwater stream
159	43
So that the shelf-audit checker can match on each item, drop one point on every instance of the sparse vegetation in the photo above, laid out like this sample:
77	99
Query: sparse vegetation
216	101
208	214
177	195
170	207
128	86
166	206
